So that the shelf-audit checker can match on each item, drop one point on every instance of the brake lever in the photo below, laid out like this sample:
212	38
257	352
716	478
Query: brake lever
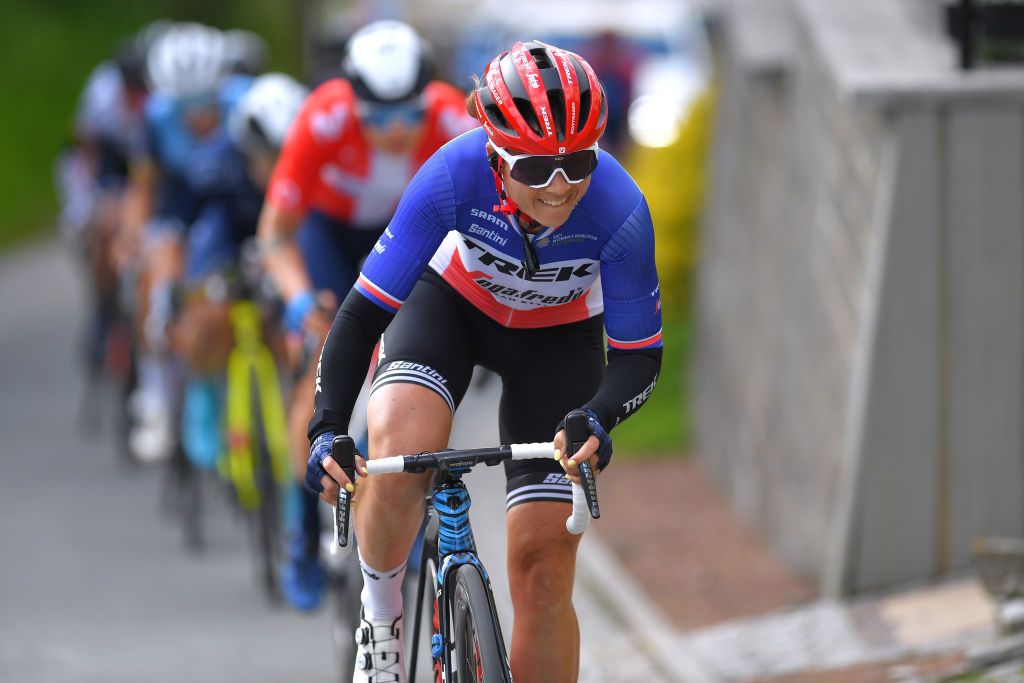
576	434
343	450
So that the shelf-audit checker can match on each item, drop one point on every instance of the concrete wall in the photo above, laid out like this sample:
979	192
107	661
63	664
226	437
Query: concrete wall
860	343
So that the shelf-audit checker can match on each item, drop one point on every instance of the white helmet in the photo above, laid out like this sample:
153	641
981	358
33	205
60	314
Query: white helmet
387	61
187	59
246	52
260	121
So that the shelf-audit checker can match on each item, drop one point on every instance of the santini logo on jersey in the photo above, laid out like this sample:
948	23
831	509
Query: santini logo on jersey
559	274
477	229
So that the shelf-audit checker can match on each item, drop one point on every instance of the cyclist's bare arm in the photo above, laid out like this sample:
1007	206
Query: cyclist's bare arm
137	206
281	255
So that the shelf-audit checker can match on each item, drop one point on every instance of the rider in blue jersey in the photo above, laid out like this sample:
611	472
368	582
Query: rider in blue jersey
228	175
189	102
519	247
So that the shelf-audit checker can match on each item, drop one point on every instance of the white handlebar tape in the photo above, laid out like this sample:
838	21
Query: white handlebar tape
526	451
579	520
386	465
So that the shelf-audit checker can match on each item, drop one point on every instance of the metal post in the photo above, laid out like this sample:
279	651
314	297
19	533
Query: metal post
966	34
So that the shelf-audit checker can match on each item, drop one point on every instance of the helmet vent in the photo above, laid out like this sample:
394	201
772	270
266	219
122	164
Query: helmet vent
493	113
525	108
540	56
584	109
557	100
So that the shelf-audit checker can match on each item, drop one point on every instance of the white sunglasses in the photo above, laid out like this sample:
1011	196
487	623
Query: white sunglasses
538	170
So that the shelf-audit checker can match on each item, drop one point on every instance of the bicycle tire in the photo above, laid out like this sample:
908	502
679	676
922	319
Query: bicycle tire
479	651
191	500
125	419
267	516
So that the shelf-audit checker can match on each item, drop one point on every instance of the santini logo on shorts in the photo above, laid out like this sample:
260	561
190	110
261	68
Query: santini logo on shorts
418	367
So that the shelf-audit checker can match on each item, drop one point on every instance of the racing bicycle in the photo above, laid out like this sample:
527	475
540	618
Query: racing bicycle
467	643
257	462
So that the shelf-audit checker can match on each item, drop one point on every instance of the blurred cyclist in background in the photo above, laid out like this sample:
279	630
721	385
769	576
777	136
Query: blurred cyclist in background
189	104
92	172
355	145
247	53
229	174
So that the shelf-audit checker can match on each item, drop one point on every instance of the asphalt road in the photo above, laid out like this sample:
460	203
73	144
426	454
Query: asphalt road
94	582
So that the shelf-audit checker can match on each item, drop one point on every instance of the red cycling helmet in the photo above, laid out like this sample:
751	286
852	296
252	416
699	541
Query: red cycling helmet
539	99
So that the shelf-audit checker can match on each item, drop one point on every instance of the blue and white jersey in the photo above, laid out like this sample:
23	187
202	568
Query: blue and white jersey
170	143
105	112
217	173
600	260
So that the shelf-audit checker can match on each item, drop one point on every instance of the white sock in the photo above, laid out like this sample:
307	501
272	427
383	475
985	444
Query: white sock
382	591
152	381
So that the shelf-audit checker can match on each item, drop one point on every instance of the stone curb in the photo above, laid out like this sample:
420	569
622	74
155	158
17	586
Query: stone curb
602	573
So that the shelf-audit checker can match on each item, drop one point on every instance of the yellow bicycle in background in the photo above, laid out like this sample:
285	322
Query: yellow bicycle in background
257	456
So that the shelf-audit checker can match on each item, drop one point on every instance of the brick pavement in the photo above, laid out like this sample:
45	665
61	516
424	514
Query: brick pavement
716	606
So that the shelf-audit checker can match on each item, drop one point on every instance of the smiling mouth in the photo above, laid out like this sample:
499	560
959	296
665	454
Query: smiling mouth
553	202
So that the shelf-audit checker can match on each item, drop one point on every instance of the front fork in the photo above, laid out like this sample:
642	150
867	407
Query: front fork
448	540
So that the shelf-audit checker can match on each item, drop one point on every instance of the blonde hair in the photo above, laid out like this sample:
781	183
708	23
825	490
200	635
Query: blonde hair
471	99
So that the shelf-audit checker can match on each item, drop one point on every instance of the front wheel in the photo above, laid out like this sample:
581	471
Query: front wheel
479	655
267	516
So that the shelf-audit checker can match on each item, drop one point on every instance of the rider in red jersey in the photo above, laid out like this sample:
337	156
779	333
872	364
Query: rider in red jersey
355	145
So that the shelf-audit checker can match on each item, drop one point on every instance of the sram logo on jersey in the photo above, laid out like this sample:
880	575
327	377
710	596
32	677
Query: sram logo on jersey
489	217
557	274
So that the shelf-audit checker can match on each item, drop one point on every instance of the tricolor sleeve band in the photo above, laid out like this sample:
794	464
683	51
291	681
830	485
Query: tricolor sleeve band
652	342
343	362
628	382
377	295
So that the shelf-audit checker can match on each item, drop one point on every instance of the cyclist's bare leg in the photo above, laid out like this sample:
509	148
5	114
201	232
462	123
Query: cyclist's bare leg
203	336
402	419
165	264
541	566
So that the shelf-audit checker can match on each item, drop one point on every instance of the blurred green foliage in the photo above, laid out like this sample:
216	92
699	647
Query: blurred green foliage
48	48
673	179
663	426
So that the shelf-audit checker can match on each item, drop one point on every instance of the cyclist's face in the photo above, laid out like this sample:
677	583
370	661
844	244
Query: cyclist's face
397	138
202	120
393	128
549	205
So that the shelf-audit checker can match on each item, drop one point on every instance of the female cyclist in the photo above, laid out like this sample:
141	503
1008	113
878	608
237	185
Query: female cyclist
353	148
516	246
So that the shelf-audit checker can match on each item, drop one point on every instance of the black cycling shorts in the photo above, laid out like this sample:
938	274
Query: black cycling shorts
438	337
